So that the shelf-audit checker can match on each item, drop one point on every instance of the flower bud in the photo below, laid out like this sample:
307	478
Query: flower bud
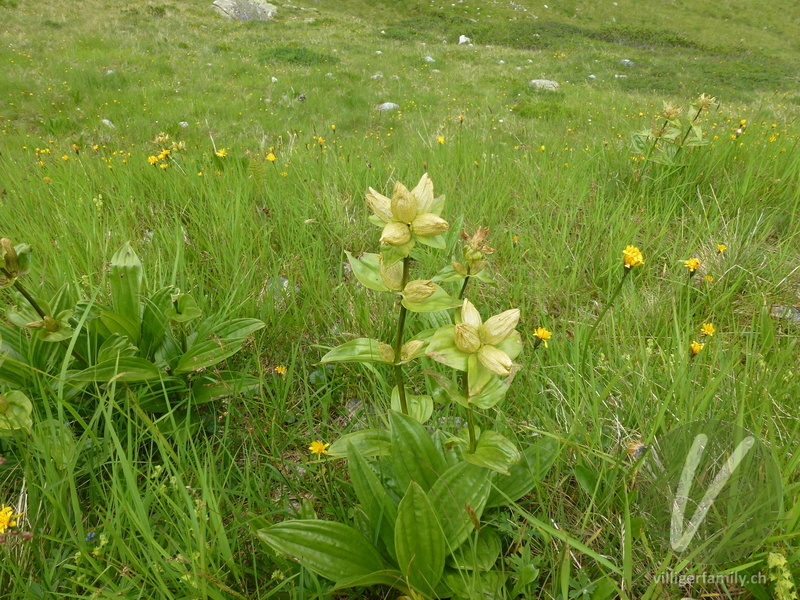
392	277
460	269
9	256
472	255
429	225
419	290
494	359
3	405
499	327
396	234
466	338
404	204
387	353
50	324
380	205
477	267
410	350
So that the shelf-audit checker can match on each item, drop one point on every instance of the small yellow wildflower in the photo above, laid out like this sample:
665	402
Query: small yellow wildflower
152	159
7	518
721	248
164	166
271	157
222	153
542	335
707	329
632	257
333	127
440	139
65	158
199	173
515	240
318	448
696	348
280	370
284	174
692	264
709	278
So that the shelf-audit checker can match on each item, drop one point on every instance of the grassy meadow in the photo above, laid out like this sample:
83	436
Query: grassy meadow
273	139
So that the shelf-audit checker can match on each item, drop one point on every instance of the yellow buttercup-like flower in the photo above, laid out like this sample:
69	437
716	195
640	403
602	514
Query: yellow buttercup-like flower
318	448
409	216
696	347
542	335
692	264
707	329
721	248
632	257
7	518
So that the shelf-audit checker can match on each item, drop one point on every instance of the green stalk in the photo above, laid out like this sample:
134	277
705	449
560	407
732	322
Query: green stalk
605	310
463	288
398	343
40	312
470	413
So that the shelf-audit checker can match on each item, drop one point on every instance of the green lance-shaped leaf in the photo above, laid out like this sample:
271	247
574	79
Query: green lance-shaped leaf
494	452
15	412
367	270
419	407
460	497
126	286
419	541
368	442
333	550
414	455
128	368
534	464
222	342
183	309
360	350
374	498
478	553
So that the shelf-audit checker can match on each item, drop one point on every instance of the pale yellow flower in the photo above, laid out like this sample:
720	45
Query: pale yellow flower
696	347
222	153
707	329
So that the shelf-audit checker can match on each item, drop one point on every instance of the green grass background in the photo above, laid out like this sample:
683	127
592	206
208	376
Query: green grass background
553	176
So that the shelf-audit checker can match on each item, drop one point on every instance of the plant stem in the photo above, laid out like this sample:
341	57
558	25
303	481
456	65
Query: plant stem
25	293
40	312
470	413
463	288
605	310
398	343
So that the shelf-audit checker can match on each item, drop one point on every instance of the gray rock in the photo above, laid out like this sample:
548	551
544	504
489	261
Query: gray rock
183	124
544	84
786	313
626	63
377	75
246	10
462	39
429	59
108	124
592	77
387	106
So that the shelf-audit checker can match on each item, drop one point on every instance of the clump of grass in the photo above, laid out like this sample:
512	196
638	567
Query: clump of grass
297	55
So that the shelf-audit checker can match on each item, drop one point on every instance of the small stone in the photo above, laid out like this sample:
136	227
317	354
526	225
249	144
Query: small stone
592	77
620	76
378	52
430	59
110	72
502	62
462	39
387	106
274	80
183	124
108	123
377	75
246	10
544	84
626	63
